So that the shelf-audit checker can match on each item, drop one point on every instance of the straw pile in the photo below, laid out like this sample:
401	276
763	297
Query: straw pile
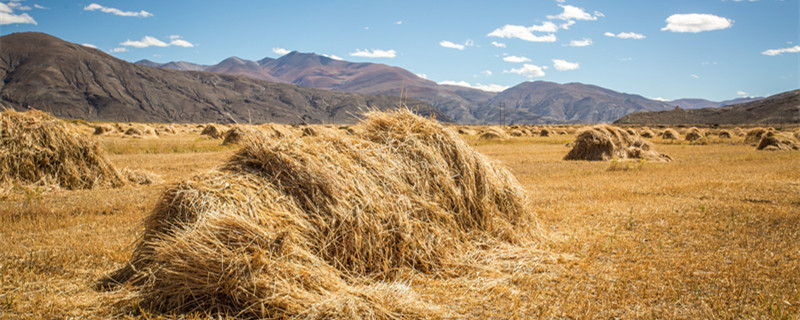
647	133
778	141
237	134
605	142
213	131
103	129
670	134
466	131
694	134
36	148
493	133
321	226
545	132
141	131
279	131
754	135
725	134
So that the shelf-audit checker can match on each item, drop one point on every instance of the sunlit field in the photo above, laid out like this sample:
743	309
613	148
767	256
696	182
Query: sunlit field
713	234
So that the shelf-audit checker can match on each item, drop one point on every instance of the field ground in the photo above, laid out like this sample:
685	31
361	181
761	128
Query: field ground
713	234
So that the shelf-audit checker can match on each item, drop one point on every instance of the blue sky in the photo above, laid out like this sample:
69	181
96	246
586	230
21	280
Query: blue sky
710	49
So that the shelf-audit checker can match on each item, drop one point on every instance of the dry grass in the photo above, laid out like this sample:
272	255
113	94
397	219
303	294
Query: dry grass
713	234
605	142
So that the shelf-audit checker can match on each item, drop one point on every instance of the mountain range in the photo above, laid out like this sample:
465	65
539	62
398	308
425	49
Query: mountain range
73	81
777	109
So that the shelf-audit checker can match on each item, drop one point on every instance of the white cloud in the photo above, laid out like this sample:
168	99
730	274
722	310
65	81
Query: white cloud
563	65
567	24
484	87
625	35
525	33
448	44
574	13
422	75
659	99
741	93
488	73
118	50
516	59
776	52
7	15
17	6
89	45
181	43
398	22
498	44
280	51
695	76
528	70
377	53
117	12
546	26
40	6
696	22
332	56
580	43
149	41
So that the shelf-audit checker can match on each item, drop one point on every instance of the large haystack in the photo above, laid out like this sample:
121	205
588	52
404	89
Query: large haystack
237	134
754	135
321	226
36	148
778	141
670	134
605	142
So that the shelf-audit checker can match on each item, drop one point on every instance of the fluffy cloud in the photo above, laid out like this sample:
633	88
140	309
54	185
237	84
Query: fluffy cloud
484	87
398	22
40	6
580	43
7	15
377	53
625	35
526	33
280	51
574	13
149	41
89	45
448	44
741	93
488	73
516	59
776	52
696	22
528	70
117	12
563	65
17	6
498	44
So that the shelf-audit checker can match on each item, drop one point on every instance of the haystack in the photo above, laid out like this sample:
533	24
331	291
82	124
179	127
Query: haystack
103	129
141	131
647	133
274	130
516	133
778	141
237	135
36	148
754	135
165	129
214	131
466	131
493	133
545	132
670	134
694	134
322	226
632	132
724	134
605	142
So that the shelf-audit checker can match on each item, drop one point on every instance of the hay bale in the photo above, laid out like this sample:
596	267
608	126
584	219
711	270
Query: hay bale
670	134
140	177
36	148
647	133
724	134
694	134
134	131
545	132
632	132
466	131
778	141
516	133
562	133
739	132
493	133
103	129
213	131
605	142
165	129
754	135
320	224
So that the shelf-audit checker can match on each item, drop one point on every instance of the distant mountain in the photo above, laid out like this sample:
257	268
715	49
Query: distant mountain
72	81
780	108
548	102
702	103
179	65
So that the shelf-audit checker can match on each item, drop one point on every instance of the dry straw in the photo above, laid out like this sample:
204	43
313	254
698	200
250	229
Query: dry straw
605	142
37	148
321	226
754	135
778	141
213	131
670	134
694	134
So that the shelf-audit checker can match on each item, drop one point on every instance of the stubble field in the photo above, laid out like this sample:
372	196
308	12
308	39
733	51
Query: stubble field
713	234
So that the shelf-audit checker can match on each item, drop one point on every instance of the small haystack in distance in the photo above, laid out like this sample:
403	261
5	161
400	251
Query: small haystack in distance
694	134
237	134
466	131
274	130
103	129
493	133
725	134
323	226
165	129
631	131
778	141
36	148
605	142
214	131
670	134
647	133
141	131
516	133
545	132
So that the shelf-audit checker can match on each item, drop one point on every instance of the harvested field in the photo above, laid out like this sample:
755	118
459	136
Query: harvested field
712	234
